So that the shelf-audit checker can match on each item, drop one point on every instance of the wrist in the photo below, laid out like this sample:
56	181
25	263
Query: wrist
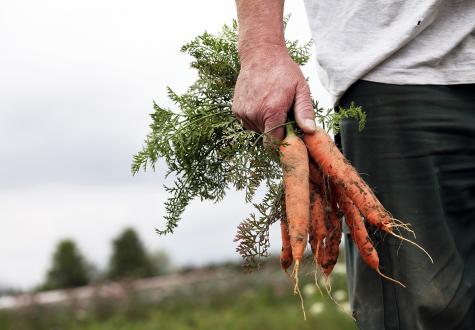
263	52
258	40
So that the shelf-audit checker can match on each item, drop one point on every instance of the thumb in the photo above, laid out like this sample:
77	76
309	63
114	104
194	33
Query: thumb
303	109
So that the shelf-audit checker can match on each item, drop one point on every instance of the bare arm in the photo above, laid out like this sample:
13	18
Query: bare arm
270	82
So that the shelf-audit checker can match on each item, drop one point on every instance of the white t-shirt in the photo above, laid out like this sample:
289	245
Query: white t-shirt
393	41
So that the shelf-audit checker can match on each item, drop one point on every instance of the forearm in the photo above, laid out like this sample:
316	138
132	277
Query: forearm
260	24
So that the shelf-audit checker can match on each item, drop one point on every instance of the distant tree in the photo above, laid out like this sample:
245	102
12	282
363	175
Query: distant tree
69	269
7	291
129	257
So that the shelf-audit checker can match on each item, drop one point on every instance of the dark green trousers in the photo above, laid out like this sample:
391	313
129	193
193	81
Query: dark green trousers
417	152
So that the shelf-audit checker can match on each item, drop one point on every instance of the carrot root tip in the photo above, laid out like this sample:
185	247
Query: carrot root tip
288	274
389	278
328	289
413	243
295	277
328	284
316	282
406	226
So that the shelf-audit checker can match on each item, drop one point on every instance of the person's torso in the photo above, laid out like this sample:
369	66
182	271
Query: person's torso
393	41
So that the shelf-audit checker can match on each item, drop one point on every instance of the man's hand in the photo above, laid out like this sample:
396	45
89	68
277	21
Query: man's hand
270	84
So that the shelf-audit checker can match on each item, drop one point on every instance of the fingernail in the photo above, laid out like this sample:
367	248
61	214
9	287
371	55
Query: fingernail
310	124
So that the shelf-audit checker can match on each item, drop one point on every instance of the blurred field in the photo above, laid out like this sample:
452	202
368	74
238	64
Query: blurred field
216	297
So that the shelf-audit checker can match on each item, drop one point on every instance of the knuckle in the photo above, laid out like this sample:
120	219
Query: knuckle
303	104
304	89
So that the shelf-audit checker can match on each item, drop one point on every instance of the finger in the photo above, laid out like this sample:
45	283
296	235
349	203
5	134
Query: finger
303	109
274	121
274	137
249	125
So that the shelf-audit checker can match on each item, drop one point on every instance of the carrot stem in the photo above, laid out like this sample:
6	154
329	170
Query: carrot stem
289	129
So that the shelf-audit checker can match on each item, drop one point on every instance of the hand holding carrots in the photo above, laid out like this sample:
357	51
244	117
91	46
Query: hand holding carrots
269	83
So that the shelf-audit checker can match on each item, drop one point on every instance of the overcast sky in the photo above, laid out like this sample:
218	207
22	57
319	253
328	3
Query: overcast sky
77	81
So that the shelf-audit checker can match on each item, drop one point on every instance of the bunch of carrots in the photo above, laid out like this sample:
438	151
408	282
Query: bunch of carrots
321	186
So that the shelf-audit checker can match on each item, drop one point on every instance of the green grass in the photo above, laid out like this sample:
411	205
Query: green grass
263	300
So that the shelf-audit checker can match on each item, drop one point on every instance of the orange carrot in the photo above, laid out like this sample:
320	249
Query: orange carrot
286	258
358	231
333	237
317	213
312	223
315	173
316	216
294	159
332	163
359	234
